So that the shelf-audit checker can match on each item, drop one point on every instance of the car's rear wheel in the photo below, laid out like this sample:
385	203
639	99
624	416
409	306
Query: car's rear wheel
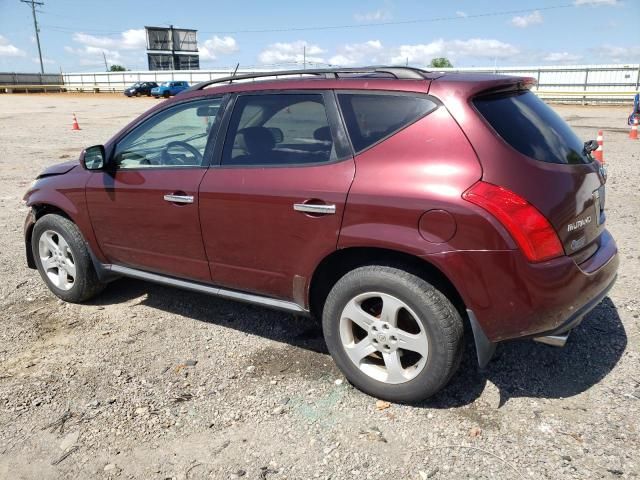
392	334
63	259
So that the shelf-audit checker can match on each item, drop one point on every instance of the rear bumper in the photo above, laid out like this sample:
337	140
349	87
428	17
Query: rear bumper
512	298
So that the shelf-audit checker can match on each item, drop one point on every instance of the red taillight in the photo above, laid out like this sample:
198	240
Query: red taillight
529	228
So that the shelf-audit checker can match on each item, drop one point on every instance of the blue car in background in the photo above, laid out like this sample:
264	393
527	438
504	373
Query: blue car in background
167	89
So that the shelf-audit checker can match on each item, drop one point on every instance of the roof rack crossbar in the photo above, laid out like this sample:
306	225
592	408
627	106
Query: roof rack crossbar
400	73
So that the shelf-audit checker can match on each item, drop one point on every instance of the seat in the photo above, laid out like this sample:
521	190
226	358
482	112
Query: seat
259	144
323	134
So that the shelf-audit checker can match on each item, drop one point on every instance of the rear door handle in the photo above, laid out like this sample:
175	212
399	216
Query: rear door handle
179	198
318	209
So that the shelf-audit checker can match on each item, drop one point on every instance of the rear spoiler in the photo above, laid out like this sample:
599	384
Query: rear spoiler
520	84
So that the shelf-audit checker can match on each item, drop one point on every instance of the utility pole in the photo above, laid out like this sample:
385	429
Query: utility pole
33	4
104	57
173	53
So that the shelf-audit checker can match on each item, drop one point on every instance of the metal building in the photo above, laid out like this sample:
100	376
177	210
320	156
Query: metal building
171	48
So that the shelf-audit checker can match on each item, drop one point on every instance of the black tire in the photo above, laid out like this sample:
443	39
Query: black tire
439	318
166	94
86	283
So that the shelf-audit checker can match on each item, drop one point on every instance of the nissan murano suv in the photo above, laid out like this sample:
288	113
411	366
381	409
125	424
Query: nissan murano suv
395	204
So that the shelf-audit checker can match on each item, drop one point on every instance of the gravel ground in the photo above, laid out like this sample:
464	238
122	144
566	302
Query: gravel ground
149	382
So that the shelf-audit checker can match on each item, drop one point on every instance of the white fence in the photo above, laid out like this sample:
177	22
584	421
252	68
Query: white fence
583	83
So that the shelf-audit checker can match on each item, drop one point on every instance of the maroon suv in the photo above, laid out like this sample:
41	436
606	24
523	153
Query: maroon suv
395	204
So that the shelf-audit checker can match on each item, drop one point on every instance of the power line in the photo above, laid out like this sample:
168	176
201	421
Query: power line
33	4
338	27
398	22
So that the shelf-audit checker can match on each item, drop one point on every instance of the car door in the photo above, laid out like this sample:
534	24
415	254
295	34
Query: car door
144	206
272	207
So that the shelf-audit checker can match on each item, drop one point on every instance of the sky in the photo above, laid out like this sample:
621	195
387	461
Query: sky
74	34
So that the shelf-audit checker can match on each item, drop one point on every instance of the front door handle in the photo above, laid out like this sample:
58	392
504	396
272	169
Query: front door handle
179	198
318	209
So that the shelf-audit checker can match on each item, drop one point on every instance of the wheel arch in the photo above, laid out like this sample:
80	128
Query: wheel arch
38	211
339	262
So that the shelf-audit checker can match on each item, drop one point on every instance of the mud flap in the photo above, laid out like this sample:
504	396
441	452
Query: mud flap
484	347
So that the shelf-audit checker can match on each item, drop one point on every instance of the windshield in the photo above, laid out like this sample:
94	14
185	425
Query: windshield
166	84
531	127
136	85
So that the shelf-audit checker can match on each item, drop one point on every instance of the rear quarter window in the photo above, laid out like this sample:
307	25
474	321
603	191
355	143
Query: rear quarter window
371	118
532	127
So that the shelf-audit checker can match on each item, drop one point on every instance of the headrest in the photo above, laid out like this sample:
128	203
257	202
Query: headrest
323	134
258	139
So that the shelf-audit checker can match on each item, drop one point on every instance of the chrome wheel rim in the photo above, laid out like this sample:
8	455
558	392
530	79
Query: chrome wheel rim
57	260
383	337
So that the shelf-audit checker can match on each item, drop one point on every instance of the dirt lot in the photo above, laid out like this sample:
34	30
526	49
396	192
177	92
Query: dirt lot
149	382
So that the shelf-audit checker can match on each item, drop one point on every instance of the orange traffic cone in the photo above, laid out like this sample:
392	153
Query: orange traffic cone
74	125
599	152
633	133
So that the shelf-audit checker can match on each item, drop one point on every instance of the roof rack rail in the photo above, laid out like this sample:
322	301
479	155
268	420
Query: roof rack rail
400	73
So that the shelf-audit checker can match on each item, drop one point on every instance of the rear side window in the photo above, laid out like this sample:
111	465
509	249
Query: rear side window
531	127
279	129
371	118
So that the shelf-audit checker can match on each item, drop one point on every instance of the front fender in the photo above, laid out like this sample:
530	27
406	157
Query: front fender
66	194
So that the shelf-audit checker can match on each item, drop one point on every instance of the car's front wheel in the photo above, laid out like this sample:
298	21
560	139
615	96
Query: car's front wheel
392	334
63	259
166	94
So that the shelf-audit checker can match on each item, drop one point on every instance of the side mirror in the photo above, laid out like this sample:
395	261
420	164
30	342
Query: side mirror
93	158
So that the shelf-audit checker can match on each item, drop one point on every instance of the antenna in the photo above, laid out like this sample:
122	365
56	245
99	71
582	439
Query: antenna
33	4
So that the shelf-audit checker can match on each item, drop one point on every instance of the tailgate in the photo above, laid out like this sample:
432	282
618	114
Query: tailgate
548	166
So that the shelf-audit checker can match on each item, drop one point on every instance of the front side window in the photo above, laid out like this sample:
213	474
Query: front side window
176	137
371	118
278	129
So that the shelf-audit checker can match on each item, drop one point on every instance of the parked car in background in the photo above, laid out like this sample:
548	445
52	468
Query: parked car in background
140	88
395	204
168	89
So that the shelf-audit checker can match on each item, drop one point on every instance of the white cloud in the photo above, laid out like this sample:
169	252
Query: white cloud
370	52
453	49
374	52
292	52
90	48
561	57
461	14
215	46
595	2
526	20
133	39
9	50
616	54
375	16
46	61
90	55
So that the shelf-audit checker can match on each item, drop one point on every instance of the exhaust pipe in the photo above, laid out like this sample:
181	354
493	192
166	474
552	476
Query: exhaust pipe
554	340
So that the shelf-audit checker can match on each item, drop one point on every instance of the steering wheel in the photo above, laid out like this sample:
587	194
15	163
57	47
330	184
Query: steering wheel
168	159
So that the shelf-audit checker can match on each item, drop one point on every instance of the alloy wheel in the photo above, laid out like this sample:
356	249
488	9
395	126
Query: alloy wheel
383	337
57	260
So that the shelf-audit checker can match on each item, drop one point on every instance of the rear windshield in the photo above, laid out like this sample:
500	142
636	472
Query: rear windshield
531	127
